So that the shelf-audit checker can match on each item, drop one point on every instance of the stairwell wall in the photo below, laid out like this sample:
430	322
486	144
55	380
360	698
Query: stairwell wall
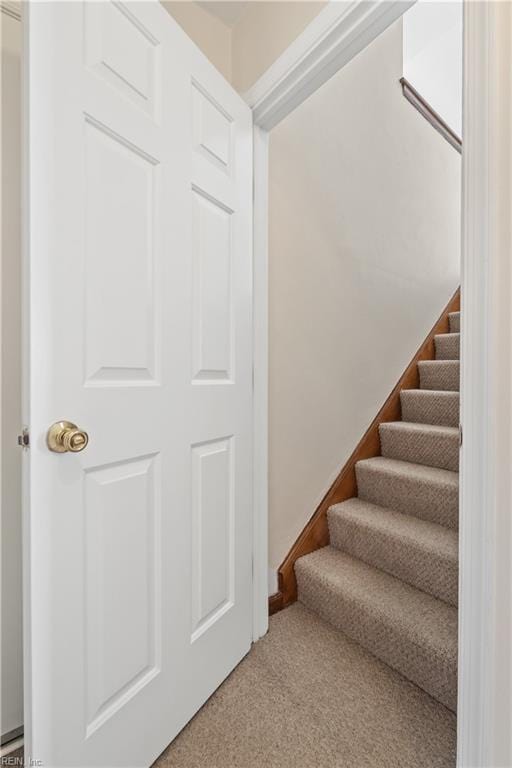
243	51
364	254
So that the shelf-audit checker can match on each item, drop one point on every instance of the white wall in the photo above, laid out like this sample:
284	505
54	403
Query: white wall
244	50
364	255
11	630
433	56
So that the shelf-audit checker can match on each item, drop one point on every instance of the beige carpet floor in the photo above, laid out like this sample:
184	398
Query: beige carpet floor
306	696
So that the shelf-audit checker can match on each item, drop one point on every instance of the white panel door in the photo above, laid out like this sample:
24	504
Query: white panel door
138	548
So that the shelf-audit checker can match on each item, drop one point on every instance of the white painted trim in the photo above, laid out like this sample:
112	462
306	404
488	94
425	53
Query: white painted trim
339	32
28	723
260	394
485	606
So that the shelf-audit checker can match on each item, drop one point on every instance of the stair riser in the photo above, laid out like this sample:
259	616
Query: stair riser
440	375
385	640
426	570
447	347
454	321
424	407
425	500
421	448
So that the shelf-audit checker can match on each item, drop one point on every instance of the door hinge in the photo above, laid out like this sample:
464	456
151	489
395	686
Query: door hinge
460	434
24	438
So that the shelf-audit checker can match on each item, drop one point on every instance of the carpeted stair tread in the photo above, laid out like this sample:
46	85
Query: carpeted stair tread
447	346
429	406
454	322
439	374
429	493
406	628
420	553
429	444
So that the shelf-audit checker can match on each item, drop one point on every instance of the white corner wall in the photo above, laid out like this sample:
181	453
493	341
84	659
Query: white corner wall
433	56
364	255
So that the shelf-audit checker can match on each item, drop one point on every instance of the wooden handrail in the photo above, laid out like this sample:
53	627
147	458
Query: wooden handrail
435	119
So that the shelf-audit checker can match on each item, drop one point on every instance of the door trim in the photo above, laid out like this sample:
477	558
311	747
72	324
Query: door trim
260	383
485	626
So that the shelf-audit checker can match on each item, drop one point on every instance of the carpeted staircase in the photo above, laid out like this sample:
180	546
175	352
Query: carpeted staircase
389	578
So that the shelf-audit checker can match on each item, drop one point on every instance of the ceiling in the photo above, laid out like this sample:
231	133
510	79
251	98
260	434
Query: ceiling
229	12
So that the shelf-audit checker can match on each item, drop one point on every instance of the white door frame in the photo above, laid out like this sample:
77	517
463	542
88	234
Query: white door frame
485	625
333	38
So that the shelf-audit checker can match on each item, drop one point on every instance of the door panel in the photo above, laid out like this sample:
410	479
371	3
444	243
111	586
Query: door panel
138	549
120	191
212	306
121	582
212	534
124	52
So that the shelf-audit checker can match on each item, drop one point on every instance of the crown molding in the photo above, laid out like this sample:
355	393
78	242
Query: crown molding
339	32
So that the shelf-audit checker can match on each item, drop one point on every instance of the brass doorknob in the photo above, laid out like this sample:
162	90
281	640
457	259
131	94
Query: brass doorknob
65	436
